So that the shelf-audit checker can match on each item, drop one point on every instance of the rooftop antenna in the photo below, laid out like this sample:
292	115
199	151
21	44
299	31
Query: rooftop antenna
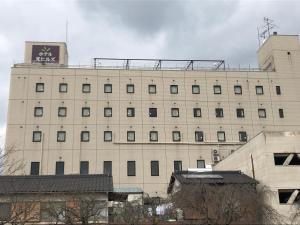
263	32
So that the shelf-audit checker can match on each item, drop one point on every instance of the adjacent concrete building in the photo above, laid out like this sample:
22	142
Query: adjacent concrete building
273	159
142	123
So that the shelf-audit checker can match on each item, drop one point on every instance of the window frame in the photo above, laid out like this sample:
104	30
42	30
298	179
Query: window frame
150	86
198	163
197	132
281	113
36	109
197	88
132	110
109	86
104	136
107	110
128	133
40	136
173	136
171	89
128	86
179	165
82	136
216	87
84	110
154	164
239	87
109	164
154	113
131	171
58	137
262	110
63	85
241	135
153	132
32	164
174	110
195	110
278	90
84	86
257	87
37	87
62	108
242	112
221	111
218	137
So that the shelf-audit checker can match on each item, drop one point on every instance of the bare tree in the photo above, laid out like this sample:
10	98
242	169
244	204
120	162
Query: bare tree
225	204
296	214
9	164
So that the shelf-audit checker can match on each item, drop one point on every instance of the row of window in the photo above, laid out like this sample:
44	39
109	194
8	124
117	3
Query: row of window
217	89
107	167
153	136
86	112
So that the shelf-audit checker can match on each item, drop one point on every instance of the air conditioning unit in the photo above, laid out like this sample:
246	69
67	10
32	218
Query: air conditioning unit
215	151
215	156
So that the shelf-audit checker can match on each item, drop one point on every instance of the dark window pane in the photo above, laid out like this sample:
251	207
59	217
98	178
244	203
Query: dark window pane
237	89
176	136
240	113
84	167
278	90
219	112
174	89
154	168
60	168
281	114
243	136
35	168
200	163
197	112
130	168
130	112
152	112
107	167
198	136
217	89
177	165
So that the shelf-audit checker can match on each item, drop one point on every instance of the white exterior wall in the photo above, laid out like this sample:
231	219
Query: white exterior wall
23	98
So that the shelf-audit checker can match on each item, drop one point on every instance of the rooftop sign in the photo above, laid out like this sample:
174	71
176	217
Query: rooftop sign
45	54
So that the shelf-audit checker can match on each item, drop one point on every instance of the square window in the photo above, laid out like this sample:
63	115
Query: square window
152	89
84	167
219	112
281	114
130	88
61	136
63	87
242	136
197	112
174	89
107	167
259	90
217	89
107	112
35	168
130	112
155	168
152	112
199	136
107	136
60	168
37	136
175	112
176	136
85	112
130	168
195	89
262	113
85	136
278	90
237	89
153	136
130	135
62	111
107	88
221	136
39	87
38	111
86	88
240	113
200	163
177	165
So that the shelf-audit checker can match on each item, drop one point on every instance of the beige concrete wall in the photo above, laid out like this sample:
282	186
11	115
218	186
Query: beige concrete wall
23	98
262	148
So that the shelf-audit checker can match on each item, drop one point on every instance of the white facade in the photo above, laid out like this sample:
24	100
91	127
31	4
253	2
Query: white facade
280	55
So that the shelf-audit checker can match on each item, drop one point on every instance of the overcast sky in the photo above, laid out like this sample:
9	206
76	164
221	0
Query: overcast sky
197	29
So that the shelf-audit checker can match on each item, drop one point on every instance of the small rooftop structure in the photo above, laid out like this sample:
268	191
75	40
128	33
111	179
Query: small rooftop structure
55	184
211	177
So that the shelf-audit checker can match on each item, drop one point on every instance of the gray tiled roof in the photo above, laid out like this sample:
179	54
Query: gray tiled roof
56	184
